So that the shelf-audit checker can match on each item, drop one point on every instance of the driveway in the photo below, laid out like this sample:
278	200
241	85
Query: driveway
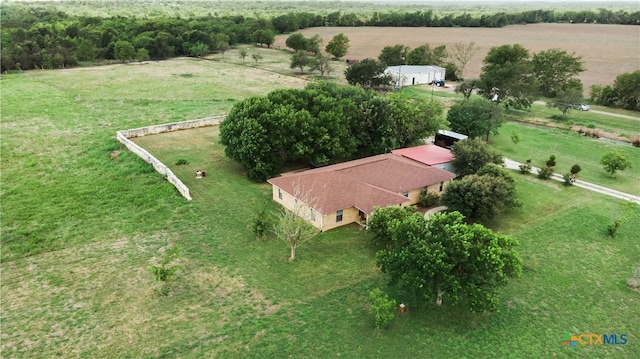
578	183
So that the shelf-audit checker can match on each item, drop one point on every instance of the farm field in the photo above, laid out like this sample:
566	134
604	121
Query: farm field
607	50
83	219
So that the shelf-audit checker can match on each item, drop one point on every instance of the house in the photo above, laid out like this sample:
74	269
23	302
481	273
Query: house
415	75
430	155
344	193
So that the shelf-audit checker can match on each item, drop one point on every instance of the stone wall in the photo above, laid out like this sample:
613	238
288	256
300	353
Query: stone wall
125	135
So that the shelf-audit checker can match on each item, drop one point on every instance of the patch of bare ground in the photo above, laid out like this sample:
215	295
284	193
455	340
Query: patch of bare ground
100	298
607	50
583	130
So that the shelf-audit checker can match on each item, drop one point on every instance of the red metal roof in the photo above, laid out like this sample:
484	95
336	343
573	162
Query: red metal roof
428	154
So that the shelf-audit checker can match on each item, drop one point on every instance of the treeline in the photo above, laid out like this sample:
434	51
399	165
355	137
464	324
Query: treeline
39	37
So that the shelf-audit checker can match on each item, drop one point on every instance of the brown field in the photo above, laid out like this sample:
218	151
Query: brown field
607	50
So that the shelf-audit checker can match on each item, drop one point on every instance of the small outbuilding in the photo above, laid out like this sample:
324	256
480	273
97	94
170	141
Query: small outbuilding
405	75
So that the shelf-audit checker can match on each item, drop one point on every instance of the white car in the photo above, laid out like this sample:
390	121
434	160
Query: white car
581	107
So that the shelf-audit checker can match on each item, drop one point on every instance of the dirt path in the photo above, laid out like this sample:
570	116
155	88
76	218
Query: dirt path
586	185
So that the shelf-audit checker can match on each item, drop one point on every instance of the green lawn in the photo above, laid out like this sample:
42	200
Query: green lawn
570	148
82	220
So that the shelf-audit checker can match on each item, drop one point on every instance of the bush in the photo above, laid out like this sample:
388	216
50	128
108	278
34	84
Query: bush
612	228
165	271
181	162
427	198
382	307
261	221
545	172
525	168
551	162
568	179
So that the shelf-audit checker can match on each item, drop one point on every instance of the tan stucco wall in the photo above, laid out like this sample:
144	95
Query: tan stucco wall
349	215
288	201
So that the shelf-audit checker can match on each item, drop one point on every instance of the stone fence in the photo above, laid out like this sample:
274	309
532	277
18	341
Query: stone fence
125	135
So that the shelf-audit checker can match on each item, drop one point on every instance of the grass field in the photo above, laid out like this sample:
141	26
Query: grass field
80	226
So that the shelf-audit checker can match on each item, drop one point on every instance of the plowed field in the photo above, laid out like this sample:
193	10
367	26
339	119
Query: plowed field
607	50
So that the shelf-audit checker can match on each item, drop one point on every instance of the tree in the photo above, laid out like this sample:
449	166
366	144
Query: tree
242	54
338	46
165	270
613	161
466	88
393	55
124	51
313	44
382	307
482	196
507	74
460	55
424	55
299	59
475	117
445	259
368	73
296	42
472	154
263	37
256	57
565	100
293	229
199	49
626	91
321	63
142	54
554	69
86	51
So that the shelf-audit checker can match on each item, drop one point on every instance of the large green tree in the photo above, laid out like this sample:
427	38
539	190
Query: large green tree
299	59
475	117
296	42
264	37
555	70
506	76
368	73
613	161
124	51
472	154
482	196
425	55
338	46
446	260
393	55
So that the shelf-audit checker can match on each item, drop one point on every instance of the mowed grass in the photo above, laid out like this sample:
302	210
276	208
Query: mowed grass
82	222
570	148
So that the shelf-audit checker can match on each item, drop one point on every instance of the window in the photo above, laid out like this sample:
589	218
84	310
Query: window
406	194
313	215
280	193
441	185
339	215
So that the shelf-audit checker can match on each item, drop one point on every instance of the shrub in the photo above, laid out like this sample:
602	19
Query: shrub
545	172
261	221
427	198
612	228
382	307
551	162
181	162
636	142
525	168
165	271
569	179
